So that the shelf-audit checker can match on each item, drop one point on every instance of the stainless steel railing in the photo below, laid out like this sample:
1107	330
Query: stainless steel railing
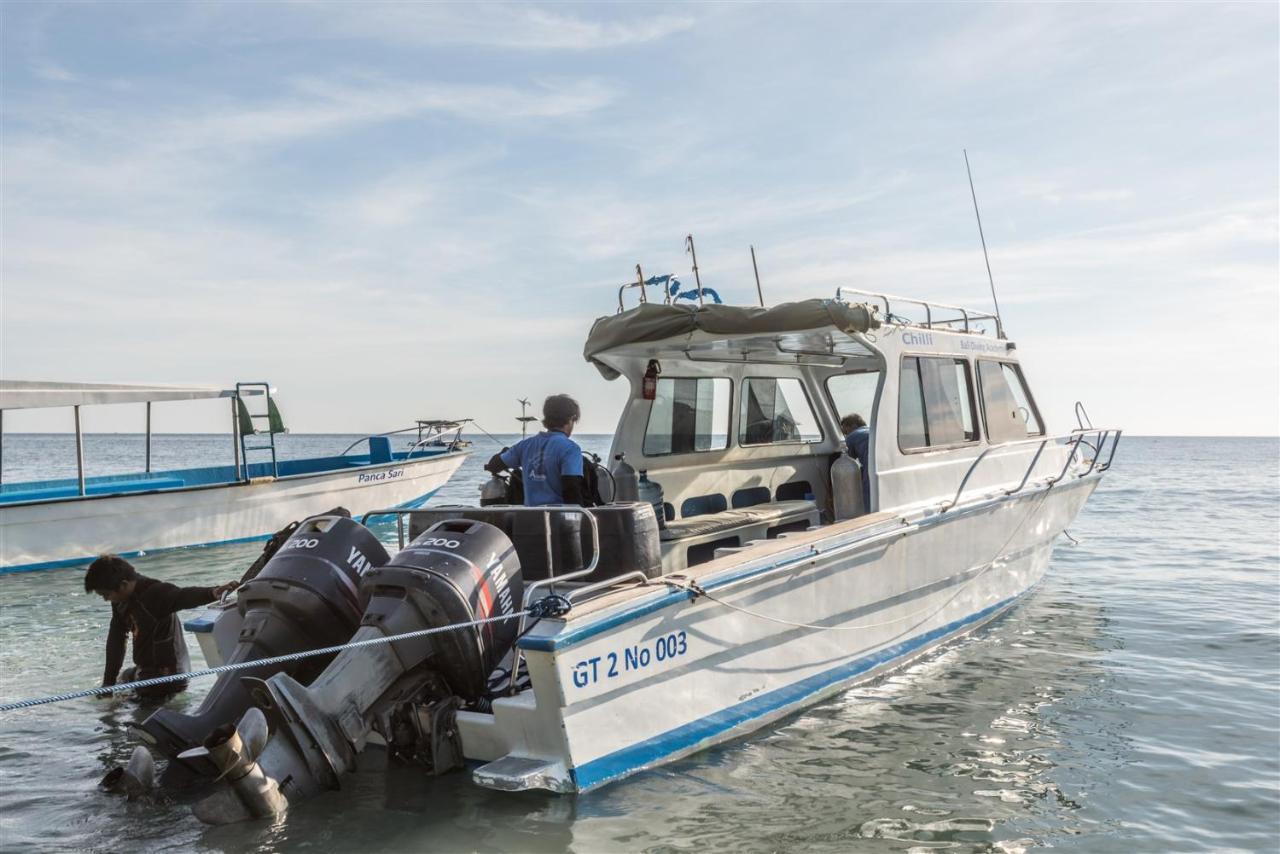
1073	440
443	511
426	434
967	316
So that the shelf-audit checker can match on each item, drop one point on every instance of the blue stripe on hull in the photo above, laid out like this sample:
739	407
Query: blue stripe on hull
653	750
256	538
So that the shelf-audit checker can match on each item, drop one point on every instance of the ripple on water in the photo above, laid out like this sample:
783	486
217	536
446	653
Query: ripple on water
1131	703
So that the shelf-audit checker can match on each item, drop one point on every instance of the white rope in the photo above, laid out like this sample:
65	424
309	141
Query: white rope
261	662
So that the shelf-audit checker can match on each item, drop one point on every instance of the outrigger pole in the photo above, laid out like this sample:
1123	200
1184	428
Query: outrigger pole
985	257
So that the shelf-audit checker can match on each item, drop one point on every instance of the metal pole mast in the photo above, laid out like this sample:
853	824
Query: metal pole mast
759	291
982	237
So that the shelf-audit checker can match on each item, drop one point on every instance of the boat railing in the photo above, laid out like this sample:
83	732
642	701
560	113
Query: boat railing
428	433
1082	417
547	510
1072	440
618	580
434	432
966	317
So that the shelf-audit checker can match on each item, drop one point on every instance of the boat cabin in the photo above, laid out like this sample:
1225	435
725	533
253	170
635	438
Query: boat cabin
735	412
734	426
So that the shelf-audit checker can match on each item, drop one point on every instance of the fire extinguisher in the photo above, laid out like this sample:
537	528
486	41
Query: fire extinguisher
649	387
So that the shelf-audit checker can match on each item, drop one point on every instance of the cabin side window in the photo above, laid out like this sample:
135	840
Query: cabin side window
1007	407
776	410
935	403
854	394
688	415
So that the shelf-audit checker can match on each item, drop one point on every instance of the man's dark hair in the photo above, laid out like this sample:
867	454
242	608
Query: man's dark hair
107	573
852	422
559	410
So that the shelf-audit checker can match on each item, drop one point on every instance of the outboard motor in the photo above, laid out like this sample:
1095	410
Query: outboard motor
306	597
456	571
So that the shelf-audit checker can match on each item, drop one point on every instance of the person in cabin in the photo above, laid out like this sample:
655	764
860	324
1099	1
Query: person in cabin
857	437
550	462
145	608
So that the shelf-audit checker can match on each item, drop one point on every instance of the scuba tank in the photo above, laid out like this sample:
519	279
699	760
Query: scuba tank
494	491
626	484
650	492
598	481
846	487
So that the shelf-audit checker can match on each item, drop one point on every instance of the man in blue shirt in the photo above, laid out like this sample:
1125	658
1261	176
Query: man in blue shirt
550	462
857	436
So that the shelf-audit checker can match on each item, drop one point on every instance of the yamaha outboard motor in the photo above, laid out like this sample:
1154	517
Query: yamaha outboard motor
307	596
457	571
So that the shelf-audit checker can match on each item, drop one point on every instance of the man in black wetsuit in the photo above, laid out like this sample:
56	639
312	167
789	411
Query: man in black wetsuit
146	609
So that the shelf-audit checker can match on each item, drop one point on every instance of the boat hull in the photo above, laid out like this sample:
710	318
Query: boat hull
661	675
73	531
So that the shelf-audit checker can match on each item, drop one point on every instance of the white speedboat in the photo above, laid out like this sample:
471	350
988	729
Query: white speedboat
754	584
68	521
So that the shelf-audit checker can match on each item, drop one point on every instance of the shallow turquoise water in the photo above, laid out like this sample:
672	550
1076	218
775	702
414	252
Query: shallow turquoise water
1132	702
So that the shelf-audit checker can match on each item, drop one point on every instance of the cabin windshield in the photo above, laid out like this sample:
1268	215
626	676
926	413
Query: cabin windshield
1009	410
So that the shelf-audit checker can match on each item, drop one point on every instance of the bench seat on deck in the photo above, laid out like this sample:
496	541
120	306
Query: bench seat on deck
776	512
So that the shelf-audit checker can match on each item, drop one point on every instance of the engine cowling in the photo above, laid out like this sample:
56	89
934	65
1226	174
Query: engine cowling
306	597
457	571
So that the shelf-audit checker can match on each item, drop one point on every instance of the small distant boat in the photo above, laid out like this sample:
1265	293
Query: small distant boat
63	522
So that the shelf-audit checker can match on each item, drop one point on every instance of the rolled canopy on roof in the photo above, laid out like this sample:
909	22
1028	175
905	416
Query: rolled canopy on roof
653	322
36	394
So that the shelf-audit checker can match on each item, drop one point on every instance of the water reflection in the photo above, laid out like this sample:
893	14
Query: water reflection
1131	703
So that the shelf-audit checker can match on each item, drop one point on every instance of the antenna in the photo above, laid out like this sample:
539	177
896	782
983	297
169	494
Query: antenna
757	272
688	245
524	418
985	257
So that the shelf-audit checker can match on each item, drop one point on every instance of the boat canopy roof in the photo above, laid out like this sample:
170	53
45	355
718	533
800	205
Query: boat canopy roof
812	327
36	394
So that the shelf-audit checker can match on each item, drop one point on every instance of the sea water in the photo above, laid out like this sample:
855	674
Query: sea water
1130	703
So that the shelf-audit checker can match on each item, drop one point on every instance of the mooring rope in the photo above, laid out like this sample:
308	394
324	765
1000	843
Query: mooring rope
537	609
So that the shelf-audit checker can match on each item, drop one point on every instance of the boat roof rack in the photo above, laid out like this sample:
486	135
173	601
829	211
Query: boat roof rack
965	317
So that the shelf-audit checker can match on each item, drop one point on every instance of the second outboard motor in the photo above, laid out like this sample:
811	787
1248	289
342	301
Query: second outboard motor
456	571
307	596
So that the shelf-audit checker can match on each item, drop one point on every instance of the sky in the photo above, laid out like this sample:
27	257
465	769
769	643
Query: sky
400	211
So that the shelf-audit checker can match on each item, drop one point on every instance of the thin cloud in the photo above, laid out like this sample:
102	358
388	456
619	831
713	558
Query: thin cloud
517	27
506	26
